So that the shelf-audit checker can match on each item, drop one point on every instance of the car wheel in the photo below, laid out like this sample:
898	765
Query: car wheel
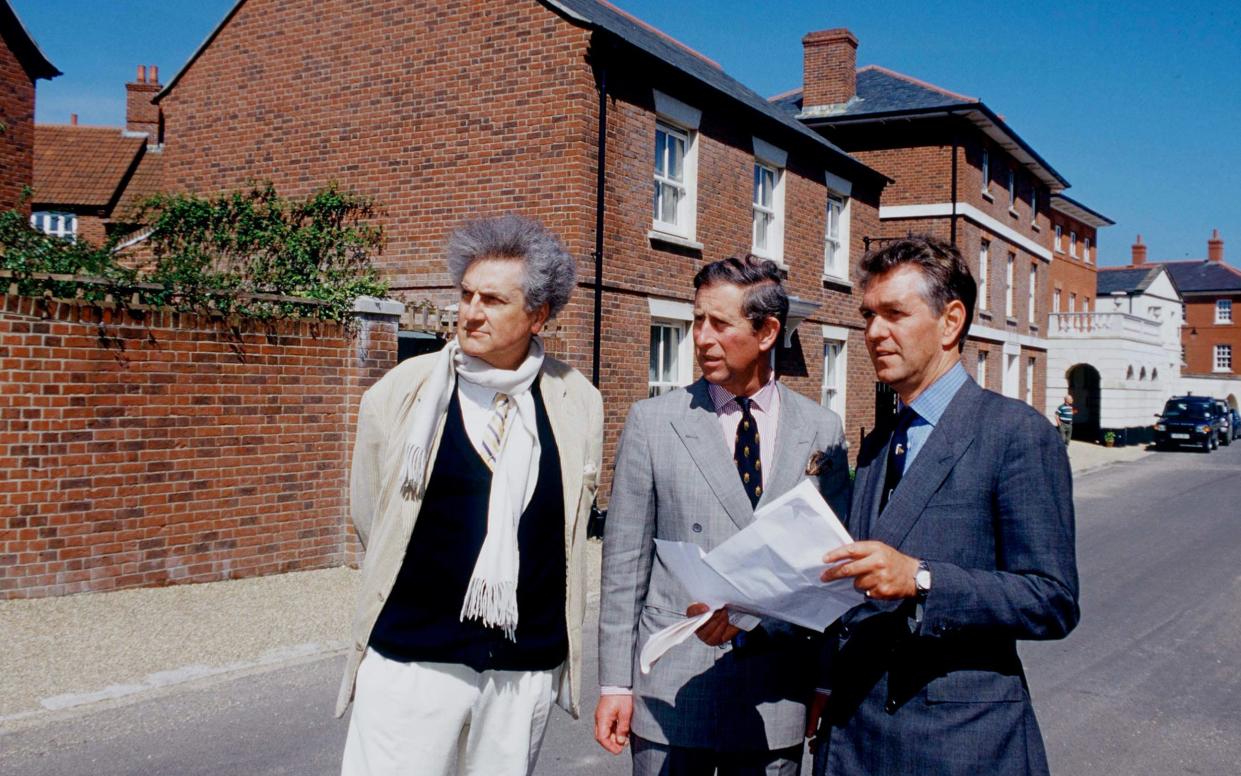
1206	445
1226	440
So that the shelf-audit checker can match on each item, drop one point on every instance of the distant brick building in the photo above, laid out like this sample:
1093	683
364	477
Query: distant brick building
453	110
89	180
960	173
1075	255
1211	335
21	64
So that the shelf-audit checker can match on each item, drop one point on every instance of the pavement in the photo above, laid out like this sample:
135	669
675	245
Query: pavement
72	654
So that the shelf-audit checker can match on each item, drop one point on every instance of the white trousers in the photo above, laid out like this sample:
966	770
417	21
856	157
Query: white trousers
441	719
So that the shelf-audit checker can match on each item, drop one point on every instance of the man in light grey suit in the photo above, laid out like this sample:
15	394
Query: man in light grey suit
964	506
692	466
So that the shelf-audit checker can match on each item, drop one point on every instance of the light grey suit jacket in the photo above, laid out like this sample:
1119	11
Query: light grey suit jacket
675	479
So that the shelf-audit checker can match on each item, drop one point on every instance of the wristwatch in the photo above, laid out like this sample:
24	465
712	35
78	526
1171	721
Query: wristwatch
922	580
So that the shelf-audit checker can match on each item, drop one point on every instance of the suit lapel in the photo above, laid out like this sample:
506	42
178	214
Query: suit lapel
568	441
870	472
948	441
793	440
699	430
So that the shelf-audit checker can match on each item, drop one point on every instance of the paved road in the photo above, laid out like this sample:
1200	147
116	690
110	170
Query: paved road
1148	684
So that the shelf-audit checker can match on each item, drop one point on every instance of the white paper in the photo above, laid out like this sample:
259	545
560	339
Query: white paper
771	569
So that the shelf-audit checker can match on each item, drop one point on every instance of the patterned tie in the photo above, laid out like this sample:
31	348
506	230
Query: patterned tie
495	429
745	453
897	448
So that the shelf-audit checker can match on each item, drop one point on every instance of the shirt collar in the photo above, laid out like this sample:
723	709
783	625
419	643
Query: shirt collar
931	403
721	396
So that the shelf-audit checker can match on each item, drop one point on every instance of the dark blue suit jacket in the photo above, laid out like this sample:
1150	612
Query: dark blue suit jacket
988	503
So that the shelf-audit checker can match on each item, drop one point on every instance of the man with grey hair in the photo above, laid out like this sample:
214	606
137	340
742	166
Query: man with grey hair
692	466
473	475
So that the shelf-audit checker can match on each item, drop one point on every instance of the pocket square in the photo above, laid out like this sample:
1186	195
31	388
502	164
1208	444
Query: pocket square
819	462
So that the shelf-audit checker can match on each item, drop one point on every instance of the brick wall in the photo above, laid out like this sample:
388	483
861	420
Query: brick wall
171	449
459	109
1200	318
1073	274
17	139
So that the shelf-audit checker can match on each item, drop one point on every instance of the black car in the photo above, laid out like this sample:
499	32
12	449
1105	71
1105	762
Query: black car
1188	420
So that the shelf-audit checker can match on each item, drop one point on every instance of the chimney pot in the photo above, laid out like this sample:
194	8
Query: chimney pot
73	119
1215	247
142	74
829	74
154	74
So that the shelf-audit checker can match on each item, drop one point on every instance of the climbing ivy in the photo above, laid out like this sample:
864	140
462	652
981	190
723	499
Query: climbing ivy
249	252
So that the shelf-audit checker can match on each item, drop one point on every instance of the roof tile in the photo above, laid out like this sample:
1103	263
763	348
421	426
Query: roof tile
81	166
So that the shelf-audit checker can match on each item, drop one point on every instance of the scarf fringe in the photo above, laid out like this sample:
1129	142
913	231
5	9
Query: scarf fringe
493	603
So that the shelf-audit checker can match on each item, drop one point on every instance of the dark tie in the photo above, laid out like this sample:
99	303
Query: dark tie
898	446
745	453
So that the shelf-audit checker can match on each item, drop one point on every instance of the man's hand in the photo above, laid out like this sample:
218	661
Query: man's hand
716	630
879	571
612	717
814	712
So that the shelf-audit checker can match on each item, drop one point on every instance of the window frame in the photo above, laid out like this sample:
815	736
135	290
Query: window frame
1222	361
980	368
774	211
1059	239
986	172
61	217
1010	277
1012	189
1086	249
1032	296
984	261
682	353
836	338
1031	366
1073	243
680	227
1223	311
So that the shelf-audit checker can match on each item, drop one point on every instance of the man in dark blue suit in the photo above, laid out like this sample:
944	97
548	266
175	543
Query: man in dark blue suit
963	511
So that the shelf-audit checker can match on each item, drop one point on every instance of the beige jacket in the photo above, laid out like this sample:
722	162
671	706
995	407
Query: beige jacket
384	516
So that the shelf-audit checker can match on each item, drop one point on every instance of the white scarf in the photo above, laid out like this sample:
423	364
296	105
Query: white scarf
492	594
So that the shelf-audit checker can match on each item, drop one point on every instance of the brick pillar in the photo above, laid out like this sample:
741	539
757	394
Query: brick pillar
1215	247
829	75
372	355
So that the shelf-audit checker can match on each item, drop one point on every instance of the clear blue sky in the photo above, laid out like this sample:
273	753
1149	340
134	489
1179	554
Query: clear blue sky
1138	104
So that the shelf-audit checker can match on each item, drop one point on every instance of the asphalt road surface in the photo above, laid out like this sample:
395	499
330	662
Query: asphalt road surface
1149	683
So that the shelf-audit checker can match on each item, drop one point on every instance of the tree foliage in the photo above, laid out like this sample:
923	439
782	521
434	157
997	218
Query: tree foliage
248	252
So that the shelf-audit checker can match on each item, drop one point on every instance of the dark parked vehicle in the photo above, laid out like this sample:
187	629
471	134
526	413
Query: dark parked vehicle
1226	431
1188	420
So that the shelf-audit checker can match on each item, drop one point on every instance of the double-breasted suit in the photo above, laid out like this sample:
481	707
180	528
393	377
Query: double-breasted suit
988	504
676	479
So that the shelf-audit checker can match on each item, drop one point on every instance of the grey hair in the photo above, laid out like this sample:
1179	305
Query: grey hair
550	272
764	296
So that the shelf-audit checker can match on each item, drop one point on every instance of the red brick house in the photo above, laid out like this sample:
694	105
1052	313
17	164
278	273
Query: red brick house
1211	291
961	173
88	180
642	154
1075	246
21	64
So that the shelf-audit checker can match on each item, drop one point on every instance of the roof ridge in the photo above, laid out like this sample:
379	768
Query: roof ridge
652	28
920	82
786	93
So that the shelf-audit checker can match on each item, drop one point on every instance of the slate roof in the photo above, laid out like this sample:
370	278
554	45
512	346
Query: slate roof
883	93
1128	280
603	16
880	90
1203	276
23	46
82	166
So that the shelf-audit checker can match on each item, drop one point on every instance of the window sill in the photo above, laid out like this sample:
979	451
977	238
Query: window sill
984	314
1011	322
987	195
1035	227
656	236
1014	213
837	282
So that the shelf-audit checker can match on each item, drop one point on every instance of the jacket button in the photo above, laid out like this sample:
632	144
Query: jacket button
696	527
844	631
890	707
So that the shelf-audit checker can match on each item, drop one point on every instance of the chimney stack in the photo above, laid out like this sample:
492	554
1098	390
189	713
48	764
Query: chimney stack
142	115
1139	252
73	119
829	74
1215	247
